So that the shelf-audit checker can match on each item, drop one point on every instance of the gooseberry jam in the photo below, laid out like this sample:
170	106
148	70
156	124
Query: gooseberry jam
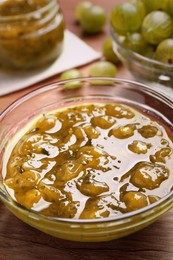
89	161
31	33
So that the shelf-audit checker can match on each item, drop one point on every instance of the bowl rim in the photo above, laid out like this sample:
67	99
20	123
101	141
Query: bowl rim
118	218
138	56
50	86
55	85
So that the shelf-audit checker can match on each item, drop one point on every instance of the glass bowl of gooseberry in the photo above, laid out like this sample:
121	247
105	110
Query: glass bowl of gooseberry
142	35
111	91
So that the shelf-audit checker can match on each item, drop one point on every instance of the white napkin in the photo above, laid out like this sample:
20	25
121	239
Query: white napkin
75	53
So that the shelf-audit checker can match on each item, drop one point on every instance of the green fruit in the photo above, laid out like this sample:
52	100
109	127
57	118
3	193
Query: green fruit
150	53
80	9
140	7
108	51
169	7
135	42
153	5
72	74
156	27
164	51
93	19
102	69
125	18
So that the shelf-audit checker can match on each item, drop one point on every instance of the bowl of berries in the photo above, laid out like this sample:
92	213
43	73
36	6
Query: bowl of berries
142	34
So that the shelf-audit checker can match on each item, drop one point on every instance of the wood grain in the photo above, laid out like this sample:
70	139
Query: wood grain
18	241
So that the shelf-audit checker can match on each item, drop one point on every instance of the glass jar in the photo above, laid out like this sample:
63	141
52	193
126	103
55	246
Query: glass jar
31	33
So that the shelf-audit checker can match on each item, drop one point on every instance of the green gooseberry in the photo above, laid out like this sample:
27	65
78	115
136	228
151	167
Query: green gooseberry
157	26
93	19
140	7
153	5
169	7
80	9
108	51
72	74
102	69
164	51
125	18
135	42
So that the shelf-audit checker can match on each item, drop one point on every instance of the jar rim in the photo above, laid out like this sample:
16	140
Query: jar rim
28	15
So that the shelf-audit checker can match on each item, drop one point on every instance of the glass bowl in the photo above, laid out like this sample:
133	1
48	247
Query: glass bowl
143	69
55	96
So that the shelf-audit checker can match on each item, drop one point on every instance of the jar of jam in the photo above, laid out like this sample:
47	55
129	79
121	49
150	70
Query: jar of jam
31	33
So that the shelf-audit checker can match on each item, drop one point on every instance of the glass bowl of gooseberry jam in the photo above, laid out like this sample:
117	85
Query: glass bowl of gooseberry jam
145	44
90	163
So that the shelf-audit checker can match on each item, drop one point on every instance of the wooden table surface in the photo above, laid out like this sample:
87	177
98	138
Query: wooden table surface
20	241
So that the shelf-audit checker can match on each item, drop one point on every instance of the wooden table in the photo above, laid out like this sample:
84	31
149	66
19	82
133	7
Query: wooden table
20	241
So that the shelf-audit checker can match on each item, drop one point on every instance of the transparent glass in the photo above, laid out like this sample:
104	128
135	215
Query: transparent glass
143	69
56	96
31	33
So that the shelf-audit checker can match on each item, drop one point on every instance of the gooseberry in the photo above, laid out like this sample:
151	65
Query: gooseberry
102	69
125	18
169	7
80	9
157	26
72	74
108	51
153	5
93	19
164	51
140	7
135	42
